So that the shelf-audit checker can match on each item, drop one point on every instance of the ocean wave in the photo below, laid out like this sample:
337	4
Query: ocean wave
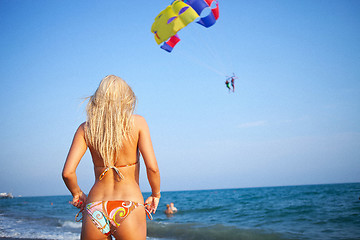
70	224
37	228
261	213
39	235
215	232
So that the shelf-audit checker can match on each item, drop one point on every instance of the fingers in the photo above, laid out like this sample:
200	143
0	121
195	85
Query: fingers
151	204
154	204
79	200
149	207
77	203
153	208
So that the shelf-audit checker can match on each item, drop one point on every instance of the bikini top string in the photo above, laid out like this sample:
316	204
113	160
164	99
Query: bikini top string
116	169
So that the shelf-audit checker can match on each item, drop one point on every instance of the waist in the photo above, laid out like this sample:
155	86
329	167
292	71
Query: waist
107	190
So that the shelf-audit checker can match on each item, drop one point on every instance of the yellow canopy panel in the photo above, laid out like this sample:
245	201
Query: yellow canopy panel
173	18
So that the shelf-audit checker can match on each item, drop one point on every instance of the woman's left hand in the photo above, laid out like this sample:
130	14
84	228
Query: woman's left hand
152	203
79	200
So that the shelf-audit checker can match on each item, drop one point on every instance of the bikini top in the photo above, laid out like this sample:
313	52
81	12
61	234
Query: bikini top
116	169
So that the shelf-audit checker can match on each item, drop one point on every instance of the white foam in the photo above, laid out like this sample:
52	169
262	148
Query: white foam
71	224
41	235
21	229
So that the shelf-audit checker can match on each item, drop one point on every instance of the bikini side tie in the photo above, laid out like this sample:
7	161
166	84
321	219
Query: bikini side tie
147	211
78	214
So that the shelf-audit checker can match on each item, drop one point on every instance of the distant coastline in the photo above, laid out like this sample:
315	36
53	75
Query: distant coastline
6	195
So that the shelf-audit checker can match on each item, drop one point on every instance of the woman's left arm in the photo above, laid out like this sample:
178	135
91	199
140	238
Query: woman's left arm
76	152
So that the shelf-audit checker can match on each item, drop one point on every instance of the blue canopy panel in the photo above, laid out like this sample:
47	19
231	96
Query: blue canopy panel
207	18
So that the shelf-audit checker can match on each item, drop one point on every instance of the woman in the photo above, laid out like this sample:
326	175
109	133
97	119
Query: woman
115	138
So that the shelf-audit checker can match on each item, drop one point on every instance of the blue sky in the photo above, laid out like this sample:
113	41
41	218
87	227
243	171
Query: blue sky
293	119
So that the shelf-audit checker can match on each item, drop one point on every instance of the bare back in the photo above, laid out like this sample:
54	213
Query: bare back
113	186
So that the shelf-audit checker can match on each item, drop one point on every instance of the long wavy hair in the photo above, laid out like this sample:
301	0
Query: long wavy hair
109	117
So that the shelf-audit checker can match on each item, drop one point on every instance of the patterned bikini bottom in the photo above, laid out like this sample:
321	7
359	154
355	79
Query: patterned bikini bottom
104	213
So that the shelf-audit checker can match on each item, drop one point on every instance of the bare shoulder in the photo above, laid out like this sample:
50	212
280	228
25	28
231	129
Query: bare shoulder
140	121
81	129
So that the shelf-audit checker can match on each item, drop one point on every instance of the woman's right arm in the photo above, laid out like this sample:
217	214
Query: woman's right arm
152	169
76	152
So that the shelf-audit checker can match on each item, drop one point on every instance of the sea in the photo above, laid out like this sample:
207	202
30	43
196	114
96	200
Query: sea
330	211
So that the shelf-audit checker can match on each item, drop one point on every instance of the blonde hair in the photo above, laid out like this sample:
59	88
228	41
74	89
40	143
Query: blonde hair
109	117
